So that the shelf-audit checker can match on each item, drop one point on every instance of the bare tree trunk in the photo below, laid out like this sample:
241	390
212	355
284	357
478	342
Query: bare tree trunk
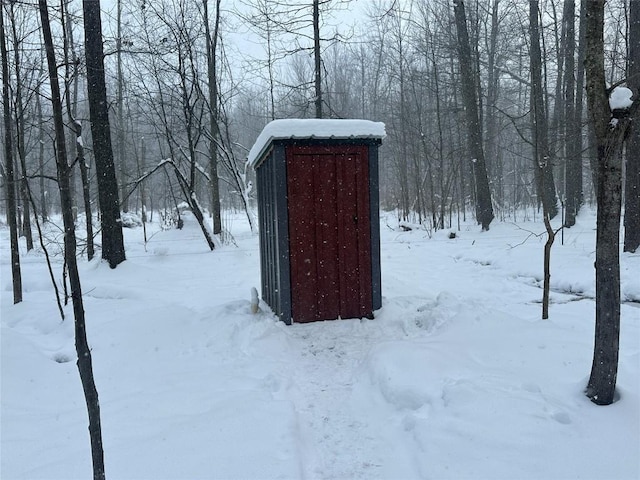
435	78
112	237
556	131
580	93
86	194
539	118
85	367
120	149
316	58
573	140
541	153
214	130
543	164
20	134
565	98
76	125
189	186
609	137
493	81
632	183
44	208
67	39
143	196
402	159
9	173
484	208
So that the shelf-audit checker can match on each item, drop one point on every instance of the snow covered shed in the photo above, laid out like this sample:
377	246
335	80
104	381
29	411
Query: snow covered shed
317	183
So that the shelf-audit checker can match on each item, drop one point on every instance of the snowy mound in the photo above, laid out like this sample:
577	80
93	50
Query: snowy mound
313	128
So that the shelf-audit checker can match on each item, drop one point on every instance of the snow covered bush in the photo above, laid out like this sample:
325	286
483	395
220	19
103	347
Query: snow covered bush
130	220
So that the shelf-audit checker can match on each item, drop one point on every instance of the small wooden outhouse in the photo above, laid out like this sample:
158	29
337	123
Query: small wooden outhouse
317	183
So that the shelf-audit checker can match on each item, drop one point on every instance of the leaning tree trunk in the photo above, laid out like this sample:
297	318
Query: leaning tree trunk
610	129
112	237
192	200
632	183
484	209
9	172
83	351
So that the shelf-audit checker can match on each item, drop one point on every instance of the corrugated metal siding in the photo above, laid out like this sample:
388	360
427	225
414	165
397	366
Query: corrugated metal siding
265	221
274	242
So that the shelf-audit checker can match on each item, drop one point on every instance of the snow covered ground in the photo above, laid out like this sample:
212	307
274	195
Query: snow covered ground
457	377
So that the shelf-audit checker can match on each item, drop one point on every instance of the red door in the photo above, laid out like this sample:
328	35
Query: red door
329	232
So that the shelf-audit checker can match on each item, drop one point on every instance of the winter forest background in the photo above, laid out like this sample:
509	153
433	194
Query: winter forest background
393	61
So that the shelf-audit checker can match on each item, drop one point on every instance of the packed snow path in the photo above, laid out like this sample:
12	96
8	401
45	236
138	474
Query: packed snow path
336	441
456	377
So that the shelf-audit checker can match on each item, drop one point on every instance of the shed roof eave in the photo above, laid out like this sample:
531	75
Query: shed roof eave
313	129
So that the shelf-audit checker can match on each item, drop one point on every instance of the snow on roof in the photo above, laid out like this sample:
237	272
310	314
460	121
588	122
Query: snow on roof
313	129
620	98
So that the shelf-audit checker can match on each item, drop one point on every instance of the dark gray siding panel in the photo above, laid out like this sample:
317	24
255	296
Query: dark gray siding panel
283	283
374	200
266	218
274	233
